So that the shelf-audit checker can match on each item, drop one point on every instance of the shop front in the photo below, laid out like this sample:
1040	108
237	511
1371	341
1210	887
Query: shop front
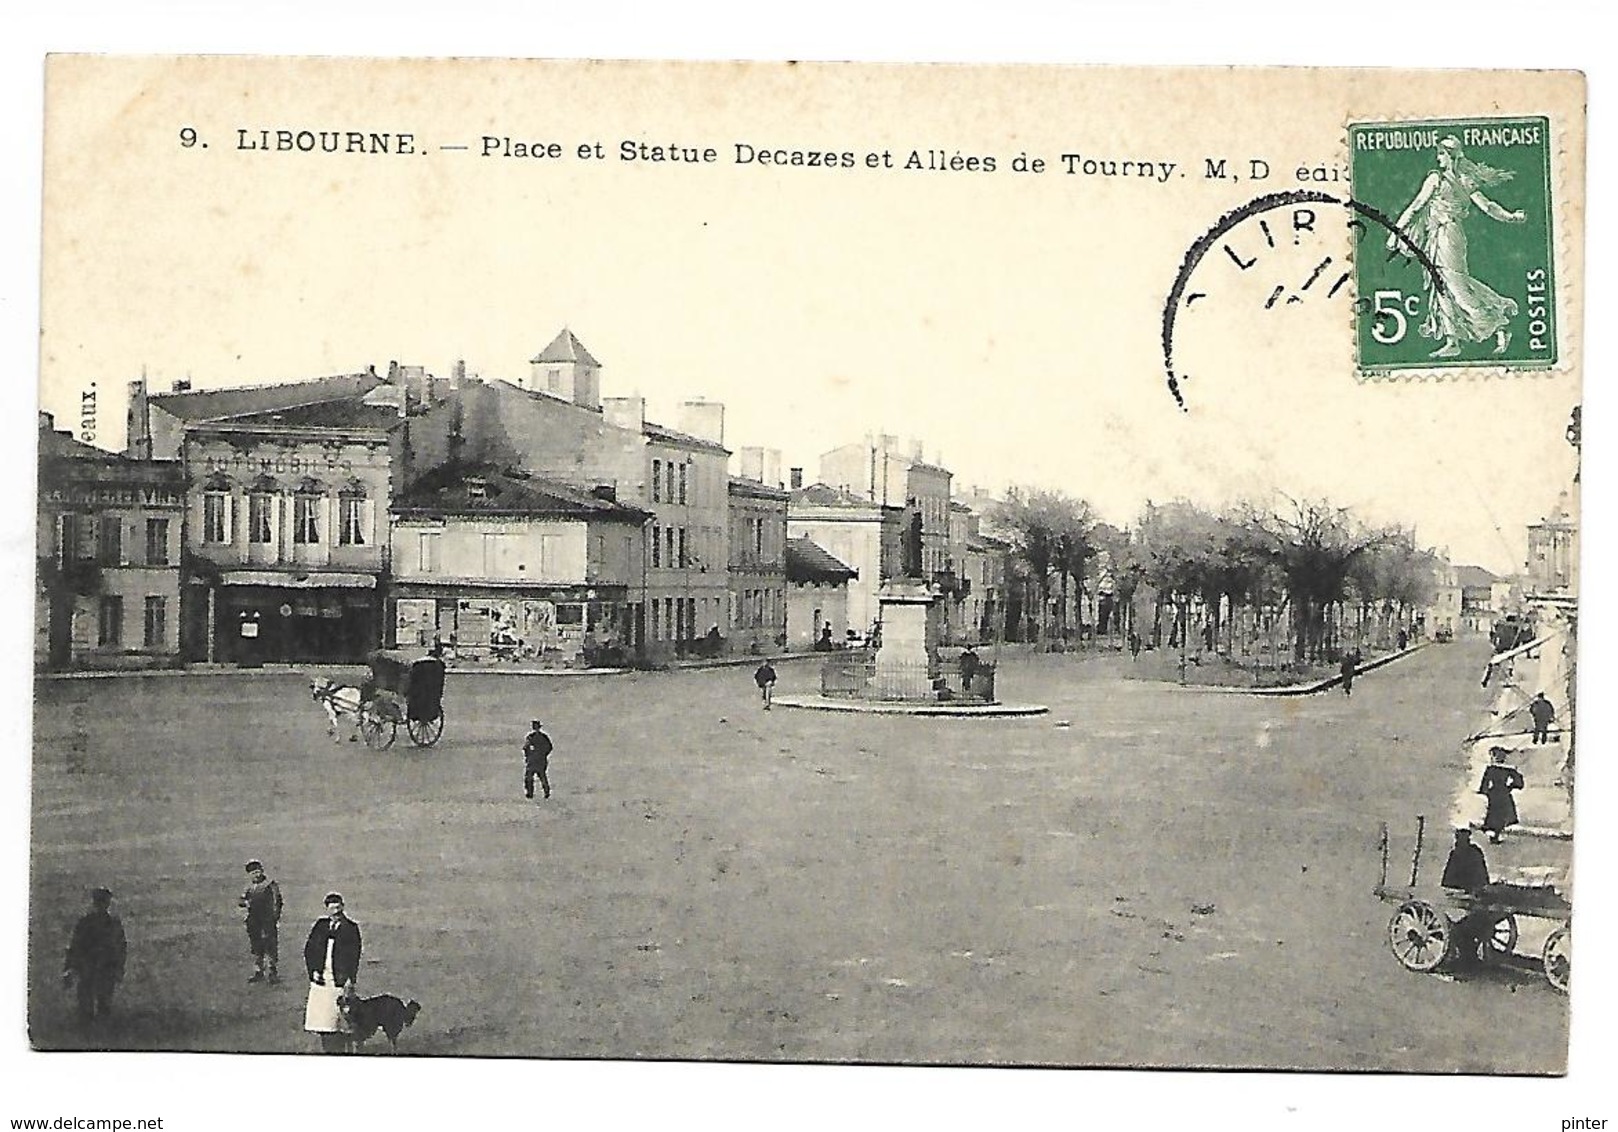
260	617
558	624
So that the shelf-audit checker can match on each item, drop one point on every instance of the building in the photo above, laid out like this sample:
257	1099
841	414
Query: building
1442	617
108	538
1478	609
879	472
984	574
865	536
1553	552
505	563
555	423
757	566
817	595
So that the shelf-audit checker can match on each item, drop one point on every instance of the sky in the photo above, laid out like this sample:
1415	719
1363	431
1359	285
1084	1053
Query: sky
1009	321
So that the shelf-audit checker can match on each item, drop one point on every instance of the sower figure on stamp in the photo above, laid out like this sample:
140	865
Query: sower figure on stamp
536	758
95	958
262	902
1543	715
1463	307
332	956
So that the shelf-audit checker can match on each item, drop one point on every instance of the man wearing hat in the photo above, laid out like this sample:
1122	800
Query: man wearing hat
262	902
332	956
536	757
95	958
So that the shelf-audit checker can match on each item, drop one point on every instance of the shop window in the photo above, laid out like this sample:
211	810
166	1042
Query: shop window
157	616
157	542
111	621
570	614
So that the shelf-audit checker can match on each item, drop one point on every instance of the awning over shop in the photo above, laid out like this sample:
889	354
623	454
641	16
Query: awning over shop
1509	654
312	581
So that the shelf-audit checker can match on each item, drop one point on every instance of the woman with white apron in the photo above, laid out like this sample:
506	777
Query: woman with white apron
332	956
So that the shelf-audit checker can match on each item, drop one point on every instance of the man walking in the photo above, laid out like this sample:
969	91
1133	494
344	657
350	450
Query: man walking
262	902
1543	715
536	757
1346	667
95	958
764	677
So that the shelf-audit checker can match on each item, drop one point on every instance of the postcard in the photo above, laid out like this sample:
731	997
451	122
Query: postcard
816	563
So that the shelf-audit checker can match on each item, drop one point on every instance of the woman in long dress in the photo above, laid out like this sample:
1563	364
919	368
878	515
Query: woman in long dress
1499	780
1435	222
332	956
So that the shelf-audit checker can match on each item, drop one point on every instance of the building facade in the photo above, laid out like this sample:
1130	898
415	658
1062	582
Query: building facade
817	596
757	539
496	563
1553	552
108	542
865	536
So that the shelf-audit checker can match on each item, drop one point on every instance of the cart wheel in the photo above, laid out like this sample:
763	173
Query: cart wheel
1498	940
1419	936
425	732
379	731
1559	958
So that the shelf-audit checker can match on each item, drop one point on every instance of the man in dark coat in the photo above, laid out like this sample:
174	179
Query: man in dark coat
1499	780
536	757
1543	715
1347	667
262	902
95	958
1466	868
764	677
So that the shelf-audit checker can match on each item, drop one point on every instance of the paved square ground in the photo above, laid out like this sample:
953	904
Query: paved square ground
1146	876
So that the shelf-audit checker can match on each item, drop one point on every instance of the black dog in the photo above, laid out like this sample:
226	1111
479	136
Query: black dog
384	1012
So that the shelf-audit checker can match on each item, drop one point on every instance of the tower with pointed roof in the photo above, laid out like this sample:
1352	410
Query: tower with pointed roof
566	370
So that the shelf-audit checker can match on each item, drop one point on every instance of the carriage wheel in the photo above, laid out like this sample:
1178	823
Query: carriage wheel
1498	940
425	732
1419	936
379	731
1559	958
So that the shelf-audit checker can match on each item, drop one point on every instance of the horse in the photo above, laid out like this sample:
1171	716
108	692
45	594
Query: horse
338	700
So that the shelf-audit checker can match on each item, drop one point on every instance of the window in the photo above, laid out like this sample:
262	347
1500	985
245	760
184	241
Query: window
306	518
657	481
351	521
258	517
111	621
657	550
157	542
657	628
67	542
684	559
157	617
669	487
110	540
216	517
668	548
683	470
758	538
427	545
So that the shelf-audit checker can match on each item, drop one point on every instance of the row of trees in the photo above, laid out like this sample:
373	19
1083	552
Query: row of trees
1306	578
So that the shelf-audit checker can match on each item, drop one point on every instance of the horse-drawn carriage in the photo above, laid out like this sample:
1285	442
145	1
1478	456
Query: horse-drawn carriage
403	690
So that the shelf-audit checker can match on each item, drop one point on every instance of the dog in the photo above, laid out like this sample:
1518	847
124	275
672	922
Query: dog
384	1012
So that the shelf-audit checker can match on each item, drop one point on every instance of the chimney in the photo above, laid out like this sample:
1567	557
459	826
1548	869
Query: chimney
457	375
796	481
605	492
625	412
703	419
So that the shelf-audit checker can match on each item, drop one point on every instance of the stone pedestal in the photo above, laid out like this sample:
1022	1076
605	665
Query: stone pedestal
903	665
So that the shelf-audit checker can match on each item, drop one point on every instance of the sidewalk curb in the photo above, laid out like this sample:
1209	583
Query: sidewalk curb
1306	689
265	670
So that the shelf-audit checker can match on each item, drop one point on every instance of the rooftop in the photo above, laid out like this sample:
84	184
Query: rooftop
808	561
212	404
482	489
565	348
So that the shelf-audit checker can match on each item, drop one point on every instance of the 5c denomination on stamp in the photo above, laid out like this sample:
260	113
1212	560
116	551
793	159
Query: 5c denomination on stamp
1474	195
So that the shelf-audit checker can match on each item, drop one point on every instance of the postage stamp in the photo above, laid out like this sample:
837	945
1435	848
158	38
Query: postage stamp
1466	277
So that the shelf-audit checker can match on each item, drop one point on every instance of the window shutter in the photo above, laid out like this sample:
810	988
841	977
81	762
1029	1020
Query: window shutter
368	521
230	518
275	525
124	533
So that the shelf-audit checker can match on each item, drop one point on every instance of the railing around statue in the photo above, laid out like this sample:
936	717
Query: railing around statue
858	677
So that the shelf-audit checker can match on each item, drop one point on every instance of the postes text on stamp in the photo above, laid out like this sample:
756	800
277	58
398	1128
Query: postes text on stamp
1474	196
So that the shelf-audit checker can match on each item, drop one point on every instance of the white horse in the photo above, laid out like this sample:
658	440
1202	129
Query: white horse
339	701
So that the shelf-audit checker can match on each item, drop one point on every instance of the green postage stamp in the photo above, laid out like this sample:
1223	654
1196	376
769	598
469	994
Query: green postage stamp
1464	273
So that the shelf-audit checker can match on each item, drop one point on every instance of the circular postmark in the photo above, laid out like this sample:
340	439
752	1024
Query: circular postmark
1283	220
